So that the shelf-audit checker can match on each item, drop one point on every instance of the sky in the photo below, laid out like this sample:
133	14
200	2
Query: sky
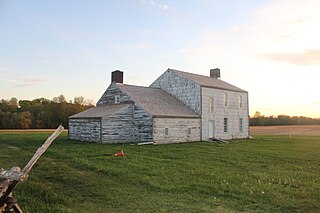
270	48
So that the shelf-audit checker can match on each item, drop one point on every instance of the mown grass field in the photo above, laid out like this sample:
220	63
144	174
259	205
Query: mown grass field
265	174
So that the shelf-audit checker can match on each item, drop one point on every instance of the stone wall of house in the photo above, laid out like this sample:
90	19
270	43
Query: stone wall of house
109	96
176	130
188	92
85	129
233	112
119	127
142	120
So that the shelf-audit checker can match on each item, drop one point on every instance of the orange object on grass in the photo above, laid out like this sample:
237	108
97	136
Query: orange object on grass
119	154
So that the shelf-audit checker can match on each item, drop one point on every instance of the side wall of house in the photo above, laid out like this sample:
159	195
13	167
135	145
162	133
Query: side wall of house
85	129
176	130
233	112
142	121
183	89
119	127
131	125
109	96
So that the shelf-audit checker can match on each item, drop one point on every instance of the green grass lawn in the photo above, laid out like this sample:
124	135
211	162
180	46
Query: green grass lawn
265	174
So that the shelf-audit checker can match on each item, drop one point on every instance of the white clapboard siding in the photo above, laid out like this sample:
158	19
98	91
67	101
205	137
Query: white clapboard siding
232	112
178	130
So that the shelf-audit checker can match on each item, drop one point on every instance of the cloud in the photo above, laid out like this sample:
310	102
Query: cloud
154	4
163	6
18	78
24	82
305	58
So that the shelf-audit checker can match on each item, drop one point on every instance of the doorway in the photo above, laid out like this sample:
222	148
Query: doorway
211	129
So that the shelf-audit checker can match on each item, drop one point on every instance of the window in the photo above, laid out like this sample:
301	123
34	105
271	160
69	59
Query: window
211	104
166	131
240	125
225	100
117	99
225	124
240	101
189	131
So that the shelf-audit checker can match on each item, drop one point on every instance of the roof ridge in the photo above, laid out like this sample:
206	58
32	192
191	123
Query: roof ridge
195	74
194	77
145	87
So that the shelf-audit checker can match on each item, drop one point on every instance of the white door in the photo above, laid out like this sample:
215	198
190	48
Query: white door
211	129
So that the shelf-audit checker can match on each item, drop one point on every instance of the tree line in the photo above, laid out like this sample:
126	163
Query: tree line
261	120
43	113
39	113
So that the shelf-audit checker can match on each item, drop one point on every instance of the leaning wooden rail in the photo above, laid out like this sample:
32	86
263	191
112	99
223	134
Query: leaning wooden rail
30	164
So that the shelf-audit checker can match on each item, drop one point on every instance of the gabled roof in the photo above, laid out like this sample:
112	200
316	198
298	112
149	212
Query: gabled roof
206	81
157	102
100	111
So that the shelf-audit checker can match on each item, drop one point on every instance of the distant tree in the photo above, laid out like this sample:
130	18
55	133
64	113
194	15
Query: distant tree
9	105
25	120
24	103
89	102
257	120
79	100
55	100
40	112
284	120
2	119
61	99
257	115
13	102
261	120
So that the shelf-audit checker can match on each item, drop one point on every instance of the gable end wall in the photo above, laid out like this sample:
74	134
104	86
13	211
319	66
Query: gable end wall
118	128
142	121
181	88
109	96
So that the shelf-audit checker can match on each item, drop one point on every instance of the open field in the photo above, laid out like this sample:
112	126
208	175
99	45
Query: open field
286	130
266	174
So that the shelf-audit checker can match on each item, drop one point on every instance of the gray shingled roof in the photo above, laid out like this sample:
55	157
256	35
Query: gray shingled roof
157	102
207	81
100	111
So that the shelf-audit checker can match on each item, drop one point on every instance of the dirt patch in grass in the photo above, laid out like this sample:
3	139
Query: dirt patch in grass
286	130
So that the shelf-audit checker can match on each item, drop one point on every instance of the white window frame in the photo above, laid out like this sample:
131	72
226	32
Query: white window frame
240	101
211	104
240	125
189	131
225	100
225	125
117	99
166	131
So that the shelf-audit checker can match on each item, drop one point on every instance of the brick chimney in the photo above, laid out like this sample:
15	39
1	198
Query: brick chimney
117	76
215	73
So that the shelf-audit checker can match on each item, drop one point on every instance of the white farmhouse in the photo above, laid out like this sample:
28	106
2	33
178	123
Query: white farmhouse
177	107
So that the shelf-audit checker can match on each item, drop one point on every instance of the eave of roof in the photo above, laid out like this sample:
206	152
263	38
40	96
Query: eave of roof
100	111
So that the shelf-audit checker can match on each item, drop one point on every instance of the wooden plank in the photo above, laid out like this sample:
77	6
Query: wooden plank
30	164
